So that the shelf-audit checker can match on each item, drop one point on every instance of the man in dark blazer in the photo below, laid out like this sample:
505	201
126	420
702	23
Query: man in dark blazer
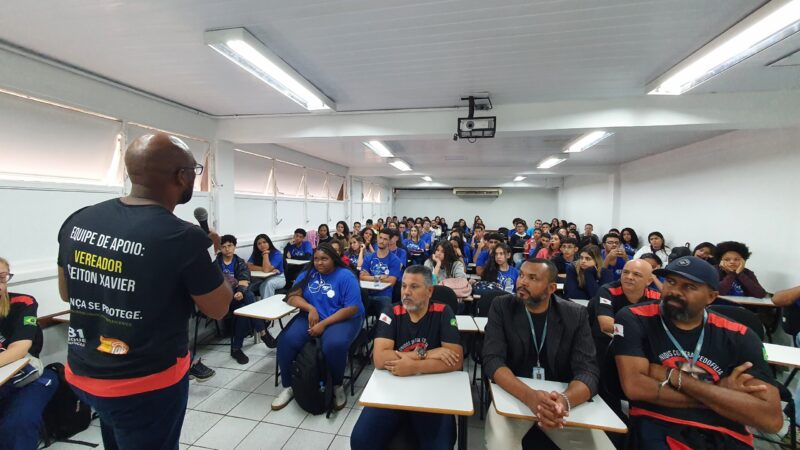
535	334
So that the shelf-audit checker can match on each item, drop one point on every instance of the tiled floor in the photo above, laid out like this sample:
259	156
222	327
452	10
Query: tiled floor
232	411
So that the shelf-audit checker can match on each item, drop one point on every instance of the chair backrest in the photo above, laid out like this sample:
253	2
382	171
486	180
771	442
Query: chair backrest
741	315
485	302
791	320
443	294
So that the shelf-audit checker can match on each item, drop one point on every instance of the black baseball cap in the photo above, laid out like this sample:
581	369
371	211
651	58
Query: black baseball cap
692	268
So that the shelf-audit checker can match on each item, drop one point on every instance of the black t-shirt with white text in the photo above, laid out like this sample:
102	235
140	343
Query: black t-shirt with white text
436	326
130	271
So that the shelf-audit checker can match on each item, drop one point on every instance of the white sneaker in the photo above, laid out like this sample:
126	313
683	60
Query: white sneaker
283	399
339	398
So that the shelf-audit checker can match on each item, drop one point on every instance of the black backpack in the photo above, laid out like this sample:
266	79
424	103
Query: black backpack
65	415
311	382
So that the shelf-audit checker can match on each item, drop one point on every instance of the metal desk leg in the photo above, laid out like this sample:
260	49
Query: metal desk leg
462	432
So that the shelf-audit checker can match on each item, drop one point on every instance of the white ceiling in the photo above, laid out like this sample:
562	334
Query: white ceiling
378	55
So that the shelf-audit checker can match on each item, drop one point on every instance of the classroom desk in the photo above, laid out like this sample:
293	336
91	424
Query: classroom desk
783	355
440	393
594	414
466	324
749	301
372	286
261	275
481	323
272	308
297	262
11	369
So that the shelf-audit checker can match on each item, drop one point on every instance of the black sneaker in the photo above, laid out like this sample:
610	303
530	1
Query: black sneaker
200	371
268	340
239	356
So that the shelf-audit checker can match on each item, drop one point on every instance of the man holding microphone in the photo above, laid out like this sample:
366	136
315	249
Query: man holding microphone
132	272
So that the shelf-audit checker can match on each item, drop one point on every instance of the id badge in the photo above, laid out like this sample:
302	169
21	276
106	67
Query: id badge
538	373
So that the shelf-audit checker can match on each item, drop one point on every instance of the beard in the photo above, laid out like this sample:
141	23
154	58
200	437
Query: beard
676	313
409	305
186	195
533	300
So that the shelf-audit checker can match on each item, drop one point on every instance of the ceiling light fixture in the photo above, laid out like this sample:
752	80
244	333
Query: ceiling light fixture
769	24
427	178
519	178
379	148
399	164
242	48
586	141
551	162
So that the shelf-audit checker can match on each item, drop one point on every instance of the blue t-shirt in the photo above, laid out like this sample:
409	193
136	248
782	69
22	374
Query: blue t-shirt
332	292
414	247
401	255
427	239
302	251
376	266
616	268
483	258
736	289
508	279
466	252
275	259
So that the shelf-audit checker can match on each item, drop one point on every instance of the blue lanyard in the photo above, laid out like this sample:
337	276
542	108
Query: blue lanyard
536	344
697	347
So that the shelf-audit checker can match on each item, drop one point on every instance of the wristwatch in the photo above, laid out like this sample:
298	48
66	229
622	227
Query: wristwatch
421	352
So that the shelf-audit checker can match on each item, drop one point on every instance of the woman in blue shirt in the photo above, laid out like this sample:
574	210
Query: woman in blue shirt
329	298
630	241
583	278
370	239
415	246
266	258
499	270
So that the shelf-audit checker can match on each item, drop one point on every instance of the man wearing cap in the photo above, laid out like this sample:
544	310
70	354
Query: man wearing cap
694	378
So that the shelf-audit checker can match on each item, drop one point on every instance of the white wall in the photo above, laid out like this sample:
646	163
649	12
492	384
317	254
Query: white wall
527	203
588	199
739	186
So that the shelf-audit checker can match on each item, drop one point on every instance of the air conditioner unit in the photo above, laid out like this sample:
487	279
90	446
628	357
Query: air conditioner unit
477	192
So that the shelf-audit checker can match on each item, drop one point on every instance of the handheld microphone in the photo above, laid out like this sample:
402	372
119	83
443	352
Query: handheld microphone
201	214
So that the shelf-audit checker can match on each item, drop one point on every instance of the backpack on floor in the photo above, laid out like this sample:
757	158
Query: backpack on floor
65	415
311	382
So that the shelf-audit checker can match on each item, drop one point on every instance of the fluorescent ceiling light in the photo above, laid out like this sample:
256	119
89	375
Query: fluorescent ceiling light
399	164
519	178
241	47
769	24
379	148
586	141
551	161
427	178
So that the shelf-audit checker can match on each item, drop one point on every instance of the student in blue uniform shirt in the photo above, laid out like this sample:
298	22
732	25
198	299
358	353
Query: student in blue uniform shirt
630	241
499	270
382	267
415	246
490	242
613	255
395	248
329	298
298	248
427	235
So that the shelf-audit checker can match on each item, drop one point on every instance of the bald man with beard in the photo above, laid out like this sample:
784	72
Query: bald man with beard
132	273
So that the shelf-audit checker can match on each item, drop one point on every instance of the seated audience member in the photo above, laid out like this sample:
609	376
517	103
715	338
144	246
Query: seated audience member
514	222
566	254
537	225
266	258
485	248
427	235
323	234
630	289
585	276
342	231
357	228
517	241
572	226
455	245
574	235
370	239
355	252
391	225
395	247
463	225
630	241
657	247
402	230
613	255
234	270
339	247
329	298
545	228
298	247
554	224
378	225
538	241
561	232
588	237
655	262
413	338
475	242
444	263
415	246
694	378
535	334
368	223
705	251
499	271
734	278
22	397
552	249
381	267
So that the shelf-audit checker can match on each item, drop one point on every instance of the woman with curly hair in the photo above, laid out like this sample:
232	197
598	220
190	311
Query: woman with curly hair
734	278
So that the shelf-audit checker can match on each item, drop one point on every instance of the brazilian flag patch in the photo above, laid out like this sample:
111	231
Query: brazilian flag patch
764	351
29	320
453	322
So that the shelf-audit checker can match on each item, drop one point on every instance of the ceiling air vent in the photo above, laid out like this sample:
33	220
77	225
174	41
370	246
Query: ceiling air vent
477	192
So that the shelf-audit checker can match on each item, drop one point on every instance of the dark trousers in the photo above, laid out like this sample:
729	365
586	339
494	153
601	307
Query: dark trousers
377	426
243	326
151	420
21	413
336	340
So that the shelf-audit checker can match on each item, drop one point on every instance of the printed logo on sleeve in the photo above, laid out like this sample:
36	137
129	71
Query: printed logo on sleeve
619	330
29	320
385	319
605	301
112	346
454	322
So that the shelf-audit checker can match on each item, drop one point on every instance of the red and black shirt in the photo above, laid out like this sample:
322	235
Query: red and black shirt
436	326
727	344
20	324
609	300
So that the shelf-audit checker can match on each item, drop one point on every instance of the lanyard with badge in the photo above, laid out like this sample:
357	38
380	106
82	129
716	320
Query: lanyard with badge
538	371
697	347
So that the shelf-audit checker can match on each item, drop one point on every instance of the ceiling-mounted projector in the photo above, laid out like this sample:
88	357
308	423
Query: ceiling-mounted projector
472	127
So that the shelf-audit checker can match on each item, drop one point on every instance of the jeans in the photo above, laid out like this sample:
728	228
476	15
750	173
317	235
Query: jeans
21	413
378	304
150	420
268	287
336	341
376	427
242	326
